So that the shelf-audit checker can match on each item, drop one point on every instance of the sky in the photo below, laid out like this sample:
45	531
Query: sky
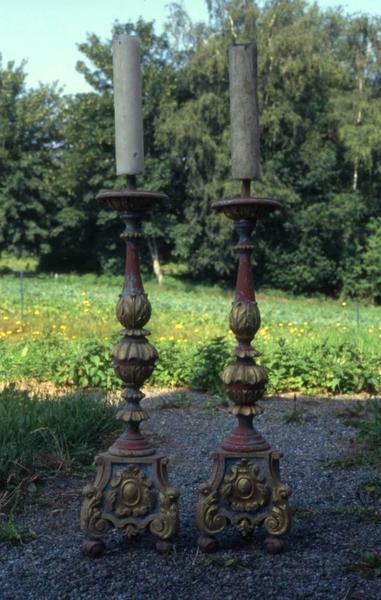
46	32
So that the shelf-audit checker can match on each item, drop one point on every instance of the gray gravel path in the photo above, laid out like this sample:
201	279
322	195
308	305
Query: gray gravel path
324	541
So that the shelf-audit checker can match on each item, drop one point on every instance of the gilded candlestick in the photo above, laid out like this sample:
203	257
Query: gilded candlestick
245	489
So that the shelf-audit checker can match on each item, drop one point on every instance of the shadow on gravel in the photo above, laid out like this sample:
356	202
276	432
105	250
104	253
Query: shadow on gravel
327	540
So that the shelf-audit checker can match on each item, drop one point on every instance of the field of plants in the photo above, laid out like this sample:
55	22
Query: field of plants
60	329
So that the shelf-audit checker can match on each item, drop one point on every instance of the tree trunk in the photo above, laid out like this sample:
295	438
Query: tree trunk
358	122
355	175
152	245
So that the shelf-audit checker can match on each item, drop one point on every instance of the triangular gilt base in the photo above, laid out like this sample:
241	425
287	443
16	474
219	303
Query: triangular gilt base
245	491
130	494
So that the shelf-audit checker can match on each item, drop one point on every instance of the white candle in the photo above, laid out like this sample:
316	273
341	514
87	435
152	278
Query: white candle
128	107
244	113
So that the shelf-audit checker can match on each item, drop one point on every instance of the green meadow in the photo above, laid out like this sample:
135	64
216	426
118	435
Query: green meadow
61	330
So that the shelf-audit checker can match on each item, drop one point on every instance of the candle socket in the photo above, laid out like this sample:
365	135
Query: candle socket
131	490
245	487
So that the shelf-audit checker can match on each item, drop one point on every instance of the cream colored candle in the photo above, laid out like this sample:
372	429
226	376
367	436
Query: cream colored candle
244	113
129	145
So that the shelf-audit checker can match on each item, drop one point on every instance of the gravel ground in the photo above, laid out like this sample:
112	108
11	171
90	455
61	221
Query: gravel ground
324	542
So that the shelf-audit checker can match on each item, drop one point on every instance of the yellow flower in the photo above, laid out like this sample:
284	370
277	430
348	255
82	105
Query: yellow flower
36	312
5	318
196	331
343	304
178	326
171	338
370	330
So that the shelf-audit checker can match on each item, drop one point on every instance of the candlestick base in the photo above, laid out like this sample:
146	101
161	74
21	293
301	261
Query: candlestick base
245	491
130	494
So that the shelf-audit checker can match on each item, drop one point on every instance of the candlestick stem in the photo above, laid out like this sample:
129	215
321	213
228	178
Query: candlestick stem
131	491
245	190
131	182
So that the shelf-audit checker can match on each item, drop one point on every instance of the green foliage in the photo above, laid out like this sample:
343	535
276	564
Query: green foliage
46	435
68	329
371	261
14	533
294	414
333	365
29	142
208	365
369	431
91	368
369	563
320	103
367	420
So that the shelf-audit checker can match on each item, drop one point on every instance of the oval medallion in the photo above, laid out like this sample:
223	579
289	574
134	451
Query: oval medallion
245	487
131	493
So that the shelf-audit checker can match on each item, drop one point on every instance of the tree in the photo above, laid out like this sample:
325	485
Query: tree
357	105
29	148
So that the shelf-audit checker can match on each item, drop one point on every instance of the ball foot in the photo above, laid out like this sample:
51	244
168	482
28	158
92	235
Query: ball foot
207	543
164	546
274	545
93	548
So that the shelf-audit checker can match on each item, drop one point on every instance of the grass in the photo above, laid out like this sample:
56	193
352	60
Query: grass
365	417
42	437
14	533
363	514
61	330
369	564
295	414
368	426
